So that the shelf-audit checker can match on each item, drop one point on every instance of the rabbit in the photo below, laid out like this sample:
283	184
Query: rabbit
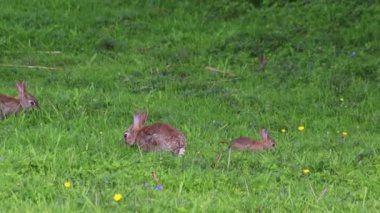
12	105
155	137
247	144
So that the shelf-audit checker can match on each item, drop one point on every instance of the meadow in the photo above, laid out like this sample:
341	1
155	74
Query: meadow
195	65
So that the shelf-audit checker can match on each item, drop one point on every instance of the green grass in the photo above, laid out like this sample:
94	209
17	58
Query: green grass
119	57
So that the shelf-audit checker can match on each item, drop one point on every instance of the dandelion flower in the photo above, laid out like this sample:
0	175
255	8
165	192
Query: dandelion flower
301	128
283	130
344	134
67	184
117	197
306	171
341	99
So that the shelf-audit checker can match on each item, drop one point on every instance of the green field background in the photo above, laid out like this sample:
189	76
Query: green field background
196	65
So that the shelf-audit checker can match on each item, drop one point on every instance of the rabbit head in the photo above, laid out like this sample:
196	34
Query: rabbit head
267	142
27	101
138	123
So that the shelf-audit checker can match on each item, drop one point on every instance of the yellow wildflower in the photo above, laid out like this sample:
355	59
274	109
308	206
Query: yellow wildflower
117	197
67	184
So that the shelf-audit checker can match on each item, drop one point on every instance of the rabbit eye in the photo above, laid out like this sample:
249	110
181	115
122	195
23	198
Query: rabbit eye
33	103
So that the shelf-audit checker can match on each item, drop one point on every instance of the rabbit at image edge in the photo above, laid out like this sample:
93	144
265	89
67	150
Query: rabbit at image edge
155	137
12	105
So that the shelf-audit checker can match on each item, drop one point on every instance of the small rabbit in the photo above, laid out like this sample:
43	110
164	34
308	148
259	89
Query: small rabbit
156	137
263	61
247	144
12	105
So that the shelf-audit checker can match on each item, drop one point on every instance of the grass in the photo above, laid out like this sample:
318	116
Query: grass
119	57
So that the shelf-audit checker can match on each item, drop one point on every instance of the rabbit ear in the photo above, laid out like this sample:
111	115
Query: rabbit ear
139	120
264	134
21	88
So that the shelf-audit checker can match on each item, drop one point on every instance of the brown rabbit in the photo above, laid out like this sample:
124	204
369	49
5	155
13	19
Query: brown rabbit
156	137
11	105
247	144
